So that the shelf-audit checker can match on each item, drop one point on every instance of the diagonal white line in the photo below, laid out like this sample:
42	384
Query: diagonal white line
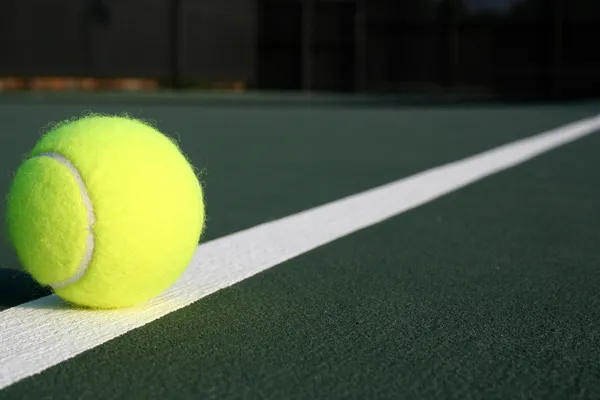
40	334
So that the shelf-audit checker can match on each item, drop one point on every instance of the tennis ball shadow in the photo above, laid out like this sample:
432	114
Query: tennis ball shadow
17	287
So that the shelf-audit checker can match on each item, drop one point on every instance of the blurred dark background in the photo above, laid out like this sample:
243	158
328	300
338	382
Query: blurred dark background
511	48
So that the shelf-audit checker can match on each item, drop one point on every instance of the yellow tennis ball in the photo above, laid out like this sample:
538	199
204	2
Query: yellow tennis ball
106	210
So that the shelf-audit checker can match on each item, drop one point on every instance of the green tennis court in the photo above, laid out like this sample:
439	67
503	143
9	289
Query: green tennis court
489	291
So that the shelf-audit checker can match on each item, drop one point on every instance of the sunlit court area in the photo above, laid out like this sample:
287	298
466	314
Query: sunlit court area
299	199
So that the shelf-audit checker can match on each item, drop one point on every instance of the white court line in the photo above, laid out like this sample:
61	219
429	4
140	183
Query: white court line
42	333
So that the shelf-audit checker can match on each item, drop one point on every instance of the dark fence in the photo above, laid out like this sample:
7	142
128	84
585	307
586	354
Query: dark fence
513	47
174	41
516	48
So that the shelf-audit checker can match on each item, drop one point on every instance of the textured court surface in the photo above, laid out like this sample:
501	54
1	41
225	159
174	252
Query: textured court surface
488	292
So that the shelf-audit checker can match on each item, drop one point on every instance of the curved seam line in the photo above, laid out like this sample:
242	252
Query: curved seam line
91	219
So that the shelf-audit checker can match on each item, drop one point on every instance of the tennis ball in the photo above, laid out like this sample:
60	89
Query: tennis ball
106	211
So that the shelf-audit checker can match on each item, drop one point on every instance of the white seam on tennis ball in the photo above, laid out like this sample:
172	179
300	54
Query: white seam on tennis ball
91	218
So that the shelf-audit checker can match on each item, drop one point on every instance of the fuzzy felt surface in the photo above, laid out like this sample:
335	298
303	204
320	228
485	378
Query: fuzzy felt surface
147	202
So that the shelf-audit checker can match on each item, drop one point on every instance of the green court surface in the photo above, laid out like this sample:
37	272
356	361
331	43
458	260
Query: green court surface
489	292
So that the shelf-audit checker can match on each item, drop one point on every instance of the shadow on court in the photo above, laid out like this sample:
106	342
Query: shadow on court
17	287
